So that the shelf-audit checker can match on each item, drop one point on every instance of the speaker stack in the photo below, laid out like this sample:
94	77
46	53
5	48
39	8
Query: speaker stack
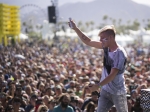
52	14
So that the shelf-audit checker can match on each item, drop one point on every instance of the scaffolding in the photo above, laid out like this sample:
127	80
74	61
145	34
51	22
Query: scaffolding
9	23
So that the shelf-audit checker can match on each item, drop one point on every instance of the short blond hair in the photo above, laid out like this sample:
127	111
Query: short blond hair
110	28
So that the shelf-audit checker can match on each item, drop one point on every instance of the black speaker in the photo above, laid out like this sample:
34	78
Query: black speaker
52	14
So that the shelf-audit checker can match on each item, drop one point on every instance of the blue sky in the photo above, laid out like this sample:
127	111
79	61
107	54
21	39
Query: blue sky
45	3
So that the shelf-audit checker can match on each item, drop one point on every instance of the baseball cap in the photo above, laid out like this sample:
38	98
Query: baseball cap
107	27
58	87
34	96
133	91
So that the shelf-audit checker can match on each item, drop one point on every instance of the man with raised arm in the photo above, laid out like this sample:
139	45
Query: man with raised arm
112	82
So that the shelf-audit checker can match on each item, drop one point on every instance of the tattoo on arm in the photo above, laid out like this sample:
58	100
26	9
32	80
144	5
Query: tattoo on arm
83	37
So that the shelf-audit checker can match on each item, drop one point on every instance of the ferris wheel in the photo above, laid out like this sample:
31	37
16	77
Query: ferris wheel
32	13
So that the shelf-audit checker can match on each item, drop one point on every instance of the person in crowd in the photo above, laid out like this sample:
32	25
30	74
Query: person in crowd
78	91
28	90
85	91
64	104
42	108
1	108
90	107
9	109
93	98
73	103
45	99
80	103
31	103
3	99
16	103
58	92
51	105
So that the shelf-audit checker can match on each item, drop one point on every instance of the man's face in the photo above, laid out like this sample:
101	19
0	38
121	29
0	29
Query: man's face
18	91
72	85
105	39
65	102
58	90
16	104
52	104
94	98
78	88
33	101
79	104
134	95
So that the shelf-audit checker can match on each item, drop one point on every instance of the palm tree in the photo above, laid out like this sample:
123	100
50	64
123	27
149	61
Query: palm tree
148	25
87	25
136	25
92	24
24	24
128	22
114	21
80	24
105	17
119	22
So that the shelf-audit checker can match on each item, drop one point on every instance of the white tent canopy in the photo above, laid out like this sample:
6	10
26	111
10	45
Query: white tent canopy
124	39
146	39
93	32
23	36
68	33
140	32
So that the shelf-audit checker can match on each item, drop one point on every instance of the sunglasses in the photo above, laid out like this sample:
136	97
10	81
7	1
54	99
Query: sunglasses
104	40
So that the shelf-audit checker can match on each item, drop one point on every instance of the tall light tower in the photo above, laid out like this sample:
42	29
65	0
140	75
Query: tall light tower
55	2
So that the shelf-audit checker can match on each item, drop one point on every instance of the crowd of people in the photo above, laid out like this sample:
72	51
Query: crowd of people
38	77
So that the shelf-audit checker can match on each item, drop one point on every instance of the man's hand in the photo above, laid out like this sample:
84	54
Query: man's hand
73	24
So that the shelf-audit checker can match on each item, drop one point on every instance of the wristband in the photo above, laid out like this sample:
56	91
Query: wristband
99	85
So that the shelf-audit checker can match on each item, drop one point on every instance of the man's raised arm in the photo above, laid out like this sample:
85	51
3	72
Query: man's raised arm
84	38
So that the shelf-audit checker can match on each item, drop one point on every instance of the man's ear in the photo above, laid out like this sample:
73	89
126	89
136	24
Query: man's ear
112	37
